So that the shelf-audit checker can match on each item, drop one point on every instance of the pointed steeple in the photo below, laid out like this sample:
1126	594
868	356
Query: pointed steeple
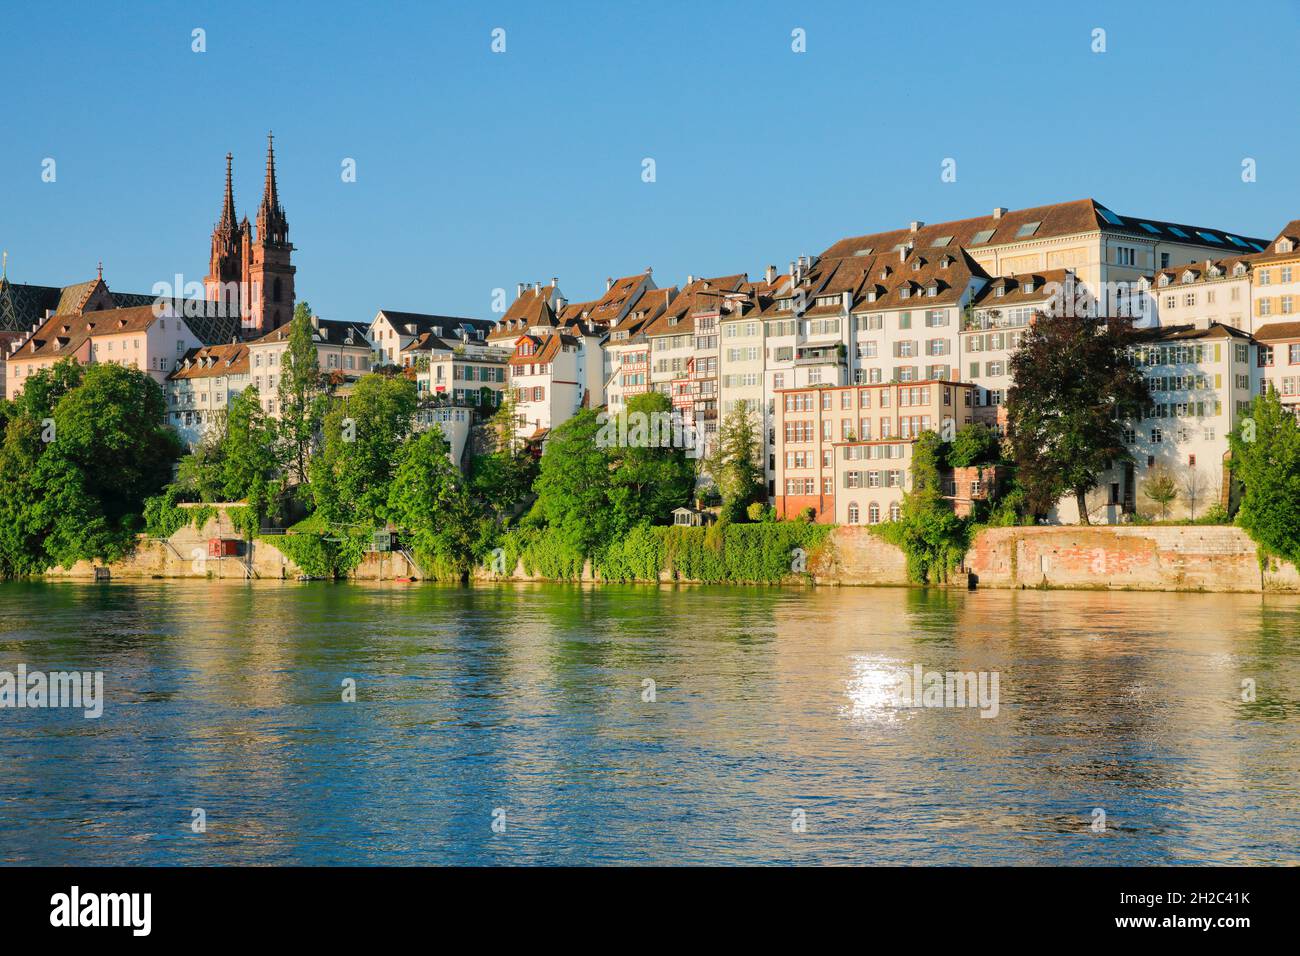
271	224
228	206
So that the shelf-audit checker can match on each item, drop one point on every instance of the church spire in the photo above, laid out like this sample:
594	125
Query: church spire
228	206
271	224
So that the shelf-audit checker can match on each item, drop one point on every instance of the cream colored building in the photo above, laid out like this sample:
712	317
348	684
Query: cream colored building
201	388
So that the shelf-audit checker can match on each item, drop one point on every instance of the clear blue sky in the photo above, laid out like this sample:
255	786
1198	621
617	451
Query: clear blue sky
477	170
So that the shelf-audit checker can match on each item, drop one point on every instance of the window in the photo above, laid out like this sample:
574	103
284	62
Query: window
853	513
873	513
1125	256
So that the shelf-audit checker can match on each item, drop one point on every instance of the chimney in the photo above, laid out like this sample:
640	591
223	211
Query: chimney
999	212
554	281
537	287
771	274
315	322
609	284
916	225
690	279
519	290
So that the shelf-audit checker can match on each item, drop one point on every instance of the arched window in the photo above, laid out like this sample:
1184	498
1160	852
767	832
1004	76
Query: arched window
893	511
853	513
873	513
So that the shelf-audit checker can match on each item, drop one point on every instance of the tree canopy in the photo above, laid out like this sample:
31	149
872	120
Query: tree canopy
1074	389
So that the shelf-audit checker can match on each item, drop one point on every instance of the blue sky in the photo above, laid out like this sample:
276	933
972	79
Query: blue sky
478	170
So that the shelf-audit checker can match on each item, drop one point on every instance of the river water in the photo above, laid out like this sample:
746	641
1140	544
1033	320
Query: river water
773	730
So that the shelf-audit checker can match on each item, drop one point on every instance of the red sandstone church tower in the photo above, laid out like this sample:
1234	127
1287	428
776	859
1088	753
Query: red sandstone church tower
252	271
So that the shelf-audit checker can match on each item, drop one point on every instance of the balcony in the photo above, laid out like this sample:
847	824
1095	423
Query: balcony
832	355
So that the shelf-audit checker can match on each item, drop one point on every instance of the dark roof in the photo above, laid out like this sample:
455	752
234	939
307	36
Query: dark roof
1058	219
417	323
328	331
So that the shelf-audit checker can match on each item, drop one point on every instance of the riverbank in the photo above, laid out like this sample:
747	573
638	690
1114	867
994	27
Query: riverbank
1205	558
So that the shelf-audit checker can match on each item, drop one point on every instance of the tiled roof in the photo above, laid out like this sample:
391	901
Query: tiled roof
213	360
647	312
1182	333
64	334
1275	331
1039	222
1013	288
327	331
612	304
416	323
546	347
22	306
1201	271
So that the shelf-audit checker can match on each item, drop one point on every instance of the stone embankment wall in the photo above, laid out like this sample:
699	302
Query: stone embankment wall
185	555
1184	558
1188	558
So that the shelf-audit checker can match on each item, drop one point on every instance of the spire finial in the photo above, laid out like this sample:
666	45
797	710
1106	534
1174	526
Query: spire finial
4	265
100	269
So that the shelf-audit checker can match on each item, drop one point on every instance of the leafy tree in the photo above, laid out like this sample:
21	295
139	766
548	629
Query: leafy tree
648	480
572	486
1074	388
974	444
501	476
199	475
76	490
1266	461
42	390
736	465
351	474
928	532
22	550
428	498
249	468
1161	489
302	402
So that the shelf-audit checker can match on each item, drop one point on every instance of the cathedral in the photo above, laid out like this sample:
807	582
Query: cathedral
250	273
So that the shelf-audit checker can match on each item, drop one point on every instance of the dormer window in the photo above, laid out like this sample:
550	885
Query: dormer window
1189	276
1164	280
932	290
1027	286
871	296
1240	269
1000	291
1285	245
904	292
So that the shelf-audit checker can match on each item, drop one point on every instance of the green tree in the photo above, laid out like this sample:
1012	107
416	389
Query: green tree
573	484
74	487
351	474
43	389
501	476
1161	489
1266	462
736	465
302	402
1074	388
649	475
249	466
429	500
974	444
928	532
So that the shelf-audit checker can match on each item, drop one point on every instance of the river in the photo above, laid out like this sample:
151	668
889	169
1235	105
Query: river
553	724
